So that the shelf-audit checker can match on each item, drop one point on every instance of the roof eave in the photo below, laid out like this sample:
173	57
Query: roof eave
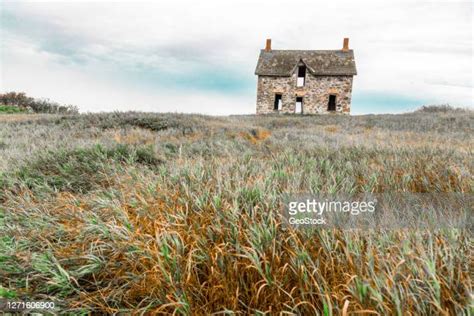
272	75
314	74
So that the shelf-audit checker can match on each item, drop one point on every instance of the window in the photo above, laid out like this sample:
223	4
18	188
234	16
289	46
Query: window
277	104
299	105
332	103
301	76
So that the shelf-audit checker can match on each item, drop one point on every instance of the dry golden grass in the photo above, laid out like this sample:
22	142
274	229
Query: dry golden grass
24	117
331	129
255	136
149	245
134	136
180	215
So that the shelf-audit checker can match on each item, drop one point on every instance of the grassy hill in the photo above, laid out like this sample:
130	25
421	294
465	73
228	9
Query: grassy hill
168	213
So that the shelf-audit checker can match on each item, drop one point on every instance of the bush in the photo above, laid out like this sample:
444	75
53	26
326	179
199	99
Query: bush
6	109
24	103
442	108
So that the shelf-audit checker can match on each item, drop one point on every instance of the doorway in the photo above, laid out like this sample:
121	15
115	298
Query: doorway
332	103
299	105
278	104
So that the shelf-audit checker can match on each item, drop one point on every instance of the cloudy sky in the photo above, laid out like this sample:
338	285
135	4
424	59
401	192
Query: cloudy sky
200	56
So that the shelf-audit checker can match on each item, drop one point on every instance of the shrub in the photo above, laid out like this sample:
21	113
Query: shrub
7	109
23	102
442	108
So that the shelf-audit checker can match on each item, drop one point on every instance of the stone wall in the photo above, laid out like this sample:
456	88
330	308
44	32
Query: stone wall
315	93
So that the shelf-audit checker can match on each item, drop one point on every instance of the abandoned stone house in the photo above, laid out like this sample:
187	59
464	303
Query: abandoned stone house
305	81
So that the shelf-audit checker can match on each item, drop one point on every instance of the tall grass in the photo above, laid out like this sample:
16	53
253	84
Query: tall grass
180	214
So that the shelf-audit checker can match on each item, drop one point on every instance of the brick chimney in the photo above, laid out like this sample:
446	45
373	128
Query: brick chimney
345	48
268	46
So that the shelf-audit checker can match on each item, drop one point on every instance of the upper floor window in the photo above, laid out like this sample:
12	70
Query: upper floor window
301	76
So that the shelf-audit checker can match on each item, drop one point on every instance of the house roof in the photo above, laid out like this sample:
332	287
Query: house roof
318	62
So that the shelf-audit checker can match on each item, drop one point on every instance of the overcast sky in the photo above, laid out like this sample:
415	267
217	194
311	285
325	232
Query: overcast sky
200	56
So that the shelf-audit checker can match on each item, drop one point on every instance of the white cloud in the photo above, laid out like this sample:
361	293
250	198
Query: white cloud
73	52
94	91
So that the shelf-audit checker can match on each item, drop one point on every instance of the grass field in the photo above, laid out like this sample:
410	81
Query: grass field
174	213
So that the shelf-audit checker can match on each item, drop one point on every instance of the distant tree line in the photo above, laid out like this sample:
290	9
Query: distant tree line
32	105
441	108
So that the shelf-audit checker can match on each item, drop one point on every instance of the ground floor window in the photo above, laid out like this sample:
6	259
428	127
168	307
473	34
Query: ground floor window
332	103
299	105
277	104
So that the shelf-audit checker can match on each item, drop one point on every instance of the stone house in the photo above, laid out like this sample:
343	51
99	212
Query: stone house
305	81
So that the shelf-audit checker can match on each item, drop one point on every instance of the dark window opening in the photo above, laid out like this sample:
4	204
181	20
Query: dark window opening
332	103
277	104
299	105
301	76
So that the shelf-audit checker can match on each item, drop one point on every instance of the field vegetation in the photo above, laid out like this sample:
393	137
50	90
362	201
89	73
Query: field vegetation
173	213
15	102
5	109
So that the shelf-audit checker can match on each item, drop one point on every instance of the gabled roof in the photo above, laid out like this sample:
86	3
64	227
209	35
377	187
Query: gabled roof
318	62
